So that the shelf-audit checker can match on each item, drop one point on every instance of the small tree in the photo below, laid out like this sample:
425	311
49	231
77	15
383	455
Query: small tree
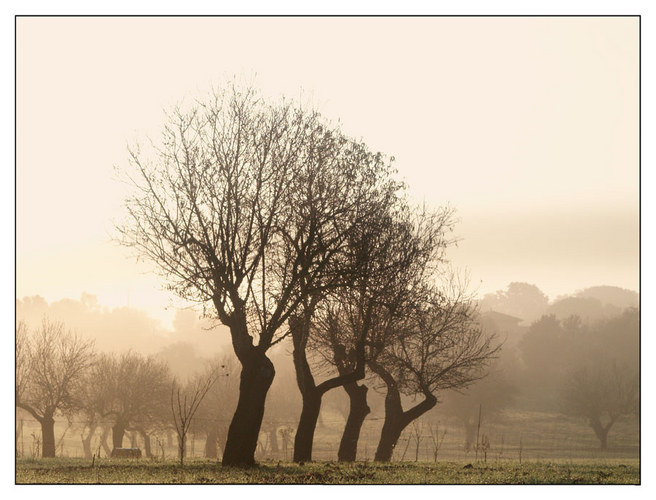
57	361
184	404
437	438
417	435
601	393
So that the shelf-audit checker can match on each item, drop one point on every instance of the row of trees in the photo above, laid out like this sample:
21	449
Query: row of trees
59	374
280	225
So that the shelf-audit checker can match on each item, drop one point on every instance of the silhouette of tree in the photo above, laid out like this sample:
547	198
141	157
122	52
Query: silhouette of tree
50	365
244	206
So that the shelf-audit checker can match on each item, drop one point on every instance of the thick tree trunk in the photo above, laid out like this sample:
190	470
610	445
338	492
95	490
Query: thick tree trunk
307	425
48	435
211	450
118	431
393	425
256	377
395	418
358	411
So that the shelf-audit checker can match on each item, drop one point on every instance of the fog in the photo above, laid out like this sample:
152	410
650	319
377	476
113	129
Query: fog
520	402
526	127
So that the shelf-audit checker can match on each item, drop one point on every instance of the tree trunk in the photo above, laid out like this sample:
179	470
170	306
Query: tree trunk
86	442
358	411
223	437
211	450
393	425
601	431
307	425
103	441
182	445
256	377
146	438
395	418
48	435
312	394
118	431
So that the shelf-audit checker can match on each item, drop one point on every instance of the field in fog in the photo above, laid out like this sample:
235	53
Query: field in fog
427	272
537	436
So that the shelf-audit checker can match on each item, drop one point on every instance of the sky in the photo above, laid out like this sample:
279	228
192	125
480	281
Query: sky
528	127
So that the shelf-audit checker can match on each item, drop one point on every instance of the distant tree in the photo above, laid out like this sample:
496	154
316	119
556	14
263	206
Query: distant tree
49	384
134	391
552	347
243	206
617	297
492	394
587	308
88	416
523	300
601	393
546	352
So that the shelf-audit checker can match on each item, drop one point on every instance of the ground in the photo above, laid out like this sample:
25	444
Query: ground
201	471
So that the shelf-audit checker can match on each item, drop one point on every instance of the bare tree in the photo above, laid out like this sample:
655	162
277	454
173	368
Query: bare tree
439	346
133	391
185	402
57	361
215	410
417	435
601	393
437	438
239	208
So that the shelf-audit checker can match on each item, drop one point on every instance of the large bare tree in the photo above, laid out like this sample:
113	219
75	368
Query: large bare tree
56	361
243	206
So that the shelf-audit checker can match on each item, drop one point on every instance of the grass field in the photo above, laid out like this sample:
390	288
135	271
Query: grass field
108	471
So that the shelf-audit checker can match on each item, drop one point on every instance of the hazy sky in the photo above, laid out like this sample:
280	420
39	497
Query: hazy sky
527	126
